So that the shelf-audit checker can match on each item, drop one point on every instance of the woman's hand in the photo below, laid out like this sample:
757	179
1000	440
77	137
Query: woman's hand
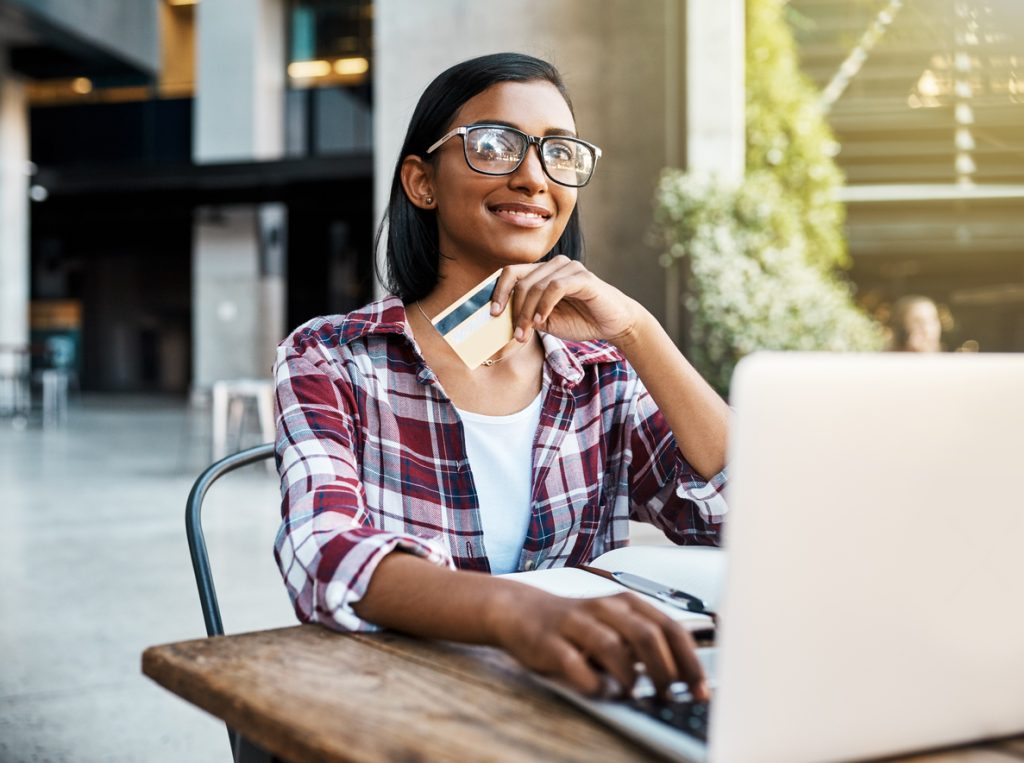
563	298
576	640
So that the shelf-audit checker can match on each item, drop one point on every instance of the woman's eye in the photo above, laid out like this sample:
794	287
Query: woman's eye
560	153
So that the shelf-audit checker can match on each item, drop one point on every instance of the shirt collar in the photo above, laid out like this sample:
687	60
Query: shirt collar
565	360
385	316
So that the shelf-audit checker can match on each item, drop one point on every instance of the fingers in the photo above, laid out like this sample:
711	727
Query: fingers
666	649
649	644
535	290
572	667
589	643
602	646
506	283
617	632
539	291
690	669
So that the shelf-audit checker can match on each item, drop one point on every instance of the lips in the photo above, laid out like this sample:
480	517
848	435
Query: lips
517	213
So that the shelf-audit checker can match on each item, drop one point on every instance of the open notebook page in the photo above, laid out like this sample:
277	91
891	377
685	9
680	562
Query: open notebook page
694	570
699	570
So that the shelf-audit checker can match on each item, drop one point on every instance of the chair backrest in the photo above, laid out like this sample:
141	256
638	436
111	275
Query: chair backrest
194	530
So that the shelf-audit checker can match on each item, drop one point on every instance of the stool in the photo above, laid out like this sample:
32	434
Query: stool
229	398
55	397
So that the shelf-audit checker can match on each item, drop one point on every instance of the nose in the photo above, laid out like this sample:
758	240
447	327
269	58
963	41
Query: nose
529	175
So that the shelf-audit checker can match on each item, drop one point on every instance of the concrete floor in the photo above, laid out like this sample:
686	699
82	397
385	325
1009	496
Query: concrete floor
95	568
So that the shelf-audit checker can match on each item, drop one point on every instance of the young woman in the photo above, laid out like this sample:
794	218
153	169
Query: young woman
408	479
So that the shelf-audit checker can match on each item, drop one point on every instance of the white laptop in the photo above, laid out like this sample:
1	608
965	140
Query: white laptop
874	598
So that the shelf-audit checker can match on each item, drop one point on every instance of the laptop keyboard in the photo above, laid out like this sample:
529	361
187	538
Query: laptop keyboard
686	715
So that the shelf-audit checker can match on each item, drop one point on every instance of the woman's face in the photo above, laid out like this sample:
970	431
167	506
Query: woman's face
923	327
486	222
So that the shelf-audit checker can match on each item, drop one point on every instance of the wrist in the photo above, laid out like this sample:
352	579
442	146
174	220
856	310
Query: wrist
505	611
498	613
637	331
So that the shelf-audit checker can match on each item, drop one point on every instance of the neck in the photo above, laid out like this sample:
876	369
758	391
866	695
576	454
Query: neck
455	279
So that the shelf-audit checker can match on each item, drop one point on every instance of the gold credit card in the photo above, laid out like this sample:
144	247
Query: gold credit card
468	326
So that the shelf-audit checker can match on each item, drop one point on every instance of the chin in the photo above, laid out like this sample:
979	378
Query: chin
524	257
532	251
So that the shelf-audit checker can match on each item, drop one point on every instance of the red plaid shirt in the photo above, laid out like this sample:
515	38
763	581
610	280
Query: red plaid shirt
373	459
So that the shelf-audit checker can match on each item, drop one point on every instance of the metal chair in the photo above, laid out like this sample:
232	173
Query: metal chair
241	748
194	529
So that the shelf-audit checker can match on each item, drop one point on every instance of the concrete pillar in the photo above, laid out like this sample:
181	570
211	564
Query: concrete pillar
238	251
240	76
238	293
705	97
714	90
14	212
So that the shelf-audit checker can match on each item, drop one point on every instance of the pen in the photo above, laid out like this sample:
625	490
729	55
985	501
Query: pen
665	593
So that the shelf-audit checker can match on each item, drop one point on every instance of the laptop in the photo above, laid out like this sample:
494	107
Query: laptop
873	603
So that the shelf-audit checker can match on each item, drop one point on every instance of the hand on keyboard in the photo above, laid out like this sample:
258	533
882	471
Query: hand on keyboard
575	640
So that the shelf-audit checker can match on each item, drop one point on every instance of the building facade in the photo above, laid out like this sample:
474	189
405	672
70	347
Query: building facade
206	175
926	98
42	40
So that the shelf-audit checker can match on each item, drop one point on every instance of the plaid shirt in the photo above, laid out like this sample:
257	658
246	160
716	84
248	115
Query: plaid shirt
373	459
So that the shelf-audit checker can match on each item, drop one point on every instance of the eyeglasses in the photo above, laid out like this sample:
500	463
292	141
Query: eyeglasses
499	150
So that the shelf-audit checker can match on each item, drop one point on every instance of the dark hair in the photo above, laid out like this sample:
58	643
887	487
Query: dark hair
412	244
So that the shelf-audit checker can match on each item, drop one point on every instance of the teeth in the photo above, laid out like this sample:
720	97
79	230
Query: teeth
521	213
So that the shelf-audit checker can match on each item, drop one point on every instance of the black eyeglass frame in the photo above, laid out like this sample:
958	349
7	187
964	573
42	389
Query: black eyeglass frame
531	140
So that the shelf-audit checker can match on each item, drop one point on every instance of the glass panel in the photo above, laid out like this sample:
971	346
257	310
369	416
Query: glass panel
330	42
329	103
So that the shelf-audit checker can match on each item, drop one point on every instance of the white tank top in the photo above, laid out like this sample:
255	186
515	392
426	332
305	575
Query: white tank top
500	451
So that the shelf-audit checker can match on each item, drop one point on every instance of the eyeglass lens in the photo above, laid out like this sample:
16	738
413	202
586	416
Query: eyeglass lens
498	151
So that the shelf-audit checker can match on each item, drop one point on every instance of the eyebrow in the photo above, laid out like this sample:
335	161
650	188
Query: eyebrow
549	131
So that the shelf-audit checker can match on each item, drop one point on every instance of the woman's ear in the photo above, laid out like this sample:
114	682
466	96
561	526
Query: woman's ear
417	182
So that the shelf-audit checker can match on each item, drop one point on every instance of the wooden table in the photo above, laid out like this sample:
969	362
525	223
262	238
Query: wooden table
308	695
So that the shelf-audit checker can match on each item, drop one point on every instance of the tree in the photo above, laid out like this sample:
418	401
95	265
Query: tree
787	134
764	256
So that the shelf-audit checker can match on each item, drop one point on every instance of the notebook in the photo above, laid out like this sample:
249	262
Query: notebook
872	601
697	570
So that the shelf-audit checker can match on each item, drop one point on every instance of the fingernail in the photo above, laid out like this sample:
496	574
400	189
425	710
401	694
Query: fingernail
495	308
519	333
610	687
537	319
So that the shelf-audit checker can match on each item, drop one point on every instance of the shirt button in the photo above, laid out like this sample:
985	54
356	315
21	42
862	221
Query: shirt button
530	564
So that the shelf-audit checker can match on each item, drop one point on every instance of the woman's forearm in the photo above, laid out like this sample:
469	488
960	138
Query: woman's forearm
412	595
698	417
569	639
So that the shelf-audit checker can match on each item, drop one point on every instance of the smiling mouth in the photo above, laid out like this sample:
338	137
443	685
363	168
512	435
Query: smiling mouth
521	214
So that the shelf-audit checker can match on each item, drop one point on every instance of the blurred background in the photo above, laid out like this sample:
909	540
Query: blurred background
184	181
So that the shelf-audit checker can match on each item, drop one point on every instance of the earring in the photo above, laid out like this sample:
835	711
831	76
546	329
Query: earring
429	201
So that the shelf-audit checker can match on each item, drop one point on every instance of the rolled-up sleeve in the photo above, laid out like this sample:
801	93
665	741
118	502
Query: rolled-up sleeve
665	490
327	547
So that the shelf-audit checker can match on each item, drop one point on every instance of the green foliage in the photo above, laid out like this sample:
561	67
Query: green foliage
787	134
763	256
751	287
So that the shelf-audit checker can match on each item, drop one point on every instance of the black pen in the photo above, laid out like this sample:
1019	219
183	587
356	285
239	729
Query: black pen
659	591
